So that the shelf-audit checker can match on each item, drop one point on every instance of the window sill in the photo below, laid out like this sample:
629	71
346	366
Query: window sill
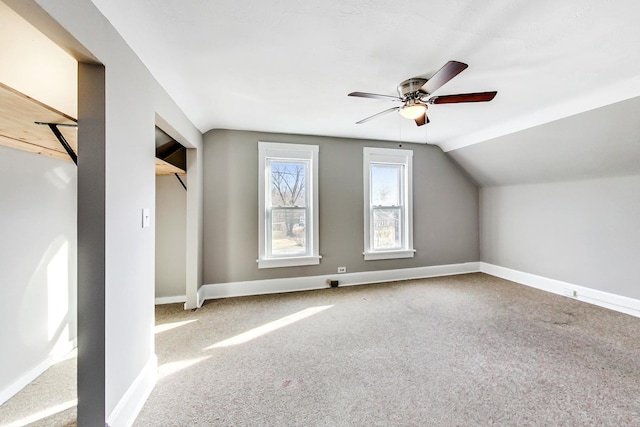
288	262
372	256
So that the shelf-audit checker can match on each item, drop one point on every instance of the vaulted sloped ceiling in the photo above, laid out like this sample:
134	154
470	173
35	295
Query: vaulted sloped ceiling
287	66
567	74
601	142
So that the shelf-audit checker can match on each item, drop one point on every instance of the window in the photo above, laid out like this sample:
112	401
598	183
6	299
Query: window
388	196
288	191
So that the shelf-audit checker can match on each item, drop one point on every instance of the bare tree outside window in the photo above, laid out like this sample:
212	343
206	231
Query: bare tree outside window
386	206
288	207
287	181
288	198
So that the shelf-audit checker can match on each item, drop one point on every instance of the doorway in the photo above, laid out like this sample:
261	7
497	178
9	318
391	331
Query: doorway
171	220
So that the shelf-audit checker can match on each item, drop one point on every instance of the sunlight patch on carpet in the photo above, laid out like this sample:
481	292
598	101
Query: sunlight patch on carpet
170	368
168	326
268	327
43	414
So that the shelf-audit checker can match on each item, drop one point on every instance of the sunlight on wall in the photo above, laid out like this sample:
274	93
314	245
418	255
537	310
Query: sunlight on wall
43	414
269	327
58	300
60	176
38	67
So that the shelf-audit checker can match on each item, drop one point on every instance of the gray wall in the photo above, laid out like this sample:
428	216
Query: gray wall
38	250
561	200
582	232
445	208
171	239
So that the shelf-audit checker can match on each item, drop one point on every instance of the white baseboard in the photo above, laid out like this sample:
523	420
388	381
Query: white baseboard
24	380
171	300
274	286
129	406
36	371
611	301
608	300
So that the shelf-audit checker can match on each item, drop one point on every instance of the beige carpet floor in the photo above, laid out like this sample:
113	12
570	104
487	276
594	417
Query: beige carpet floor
50	400
461	350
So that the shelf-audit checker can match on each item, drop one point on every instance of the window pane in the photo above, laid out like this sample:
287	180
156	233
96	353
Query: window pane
288	183
386	184
288	232
386	228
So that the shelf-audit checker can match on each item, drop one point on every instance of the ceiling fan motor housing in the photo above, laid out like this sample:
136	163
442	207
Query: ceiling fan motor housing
408	89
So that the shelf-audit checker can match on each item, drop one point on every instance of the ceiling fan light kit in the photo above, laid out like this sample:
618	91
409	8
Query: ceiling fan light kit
412	110
416	93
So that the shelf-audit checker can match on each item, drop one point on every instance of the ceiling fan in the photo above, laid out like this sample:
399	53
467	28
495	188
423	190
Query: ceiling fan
416	94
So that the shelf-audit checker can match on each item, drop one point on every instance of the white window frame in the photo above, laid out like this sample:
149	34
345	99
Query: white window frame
276	150
374	155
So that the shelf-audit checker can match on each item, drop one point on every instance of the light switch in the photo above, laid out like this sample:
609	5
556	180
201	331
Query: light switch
146	217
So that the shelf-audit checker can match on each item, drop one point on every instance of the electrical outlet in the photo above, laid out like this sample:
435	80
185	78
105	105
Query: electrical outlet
342	269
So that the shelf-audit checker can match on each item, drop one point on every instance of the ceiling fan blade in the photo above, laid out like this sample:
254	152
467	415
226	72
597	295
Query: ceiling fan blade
377	115
374	95
422	120
463	97
443	75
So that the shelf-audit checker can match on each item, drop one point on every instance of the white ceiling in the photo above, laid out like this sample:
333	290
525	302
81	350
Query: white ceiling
286	66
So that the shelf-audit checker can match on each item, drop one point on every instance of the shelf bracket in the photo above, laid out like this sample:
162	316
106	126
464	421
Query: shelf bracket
61	138
181	182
